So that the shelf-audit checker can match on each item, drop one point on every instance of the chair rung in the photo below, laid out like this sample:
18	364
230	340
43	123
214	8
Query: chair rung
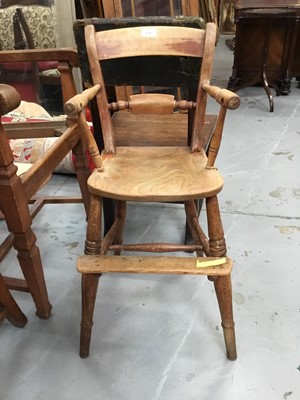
17	284
98	264
156	247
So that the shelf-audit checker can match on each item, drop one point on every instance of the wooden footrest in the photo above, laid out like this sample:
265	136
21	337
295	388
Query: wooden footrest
216	266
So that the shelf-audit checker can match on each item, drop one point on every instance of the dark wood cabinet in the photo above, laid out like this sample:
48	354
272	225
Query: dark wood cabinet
296	60
266	44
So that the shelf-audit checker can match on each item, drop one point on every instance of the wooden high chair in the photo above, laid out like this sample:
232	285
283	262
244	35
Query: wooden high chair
178	173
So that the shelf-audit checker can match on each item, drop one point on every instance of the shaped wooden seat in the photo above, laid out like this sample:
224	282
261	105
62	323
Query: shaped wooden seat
155	173
167	174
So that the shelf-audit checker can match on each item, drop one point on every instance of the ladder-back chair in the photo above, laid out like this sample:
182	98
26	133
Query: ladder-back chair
19	201
182	172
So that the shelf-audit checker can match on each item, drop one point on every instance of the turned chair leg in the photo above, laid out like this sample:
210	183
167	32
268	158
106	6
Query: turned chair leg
89	292
217	244
222	284
11	310
224	295
89	282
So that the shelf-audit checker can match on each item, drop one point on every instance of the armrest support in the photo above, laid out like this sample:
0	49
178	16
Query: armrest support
77	129
224	97
73	108
227	100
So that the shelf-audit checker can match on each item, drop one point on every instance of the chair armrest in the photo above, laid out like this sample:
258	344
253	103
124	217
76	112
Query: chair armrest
224	97
9	99
80	101
228	100
35	55
73	109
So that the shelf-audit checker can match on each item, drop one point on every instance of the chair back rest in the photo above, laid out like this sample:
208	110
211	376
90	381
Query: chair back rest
149	41
121	8
179	72
158	42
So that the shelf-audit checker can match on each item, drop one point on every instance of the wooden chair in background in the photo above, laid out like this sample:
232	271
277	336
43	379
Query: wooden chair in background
88	8
27	77
207	9
120	9
29	72
181	172
18	200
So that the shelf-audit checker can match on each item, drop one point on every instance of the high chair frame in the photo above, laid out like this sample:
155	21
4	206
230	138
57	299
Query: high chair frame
164	174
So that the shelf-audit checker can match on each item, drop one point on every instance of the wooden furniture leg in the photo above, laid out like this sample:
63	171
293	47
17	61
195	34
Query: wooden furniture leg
222	283
217	243
89	287
9	309
120	217
89	282
24	238
198	236
30	262
224	295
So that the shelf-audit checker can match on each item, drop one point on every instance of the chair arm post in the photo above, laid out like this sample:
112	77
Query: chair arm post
73	108
216	139
224	97
227	100
89	140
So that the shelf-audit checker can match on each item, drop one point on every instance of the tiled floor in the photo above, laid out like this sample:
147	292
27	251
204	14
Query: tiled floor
159	337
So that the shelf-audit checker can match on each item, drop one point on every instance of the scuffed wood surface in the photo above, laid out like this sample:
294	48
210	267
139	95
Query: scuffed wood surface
150	265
